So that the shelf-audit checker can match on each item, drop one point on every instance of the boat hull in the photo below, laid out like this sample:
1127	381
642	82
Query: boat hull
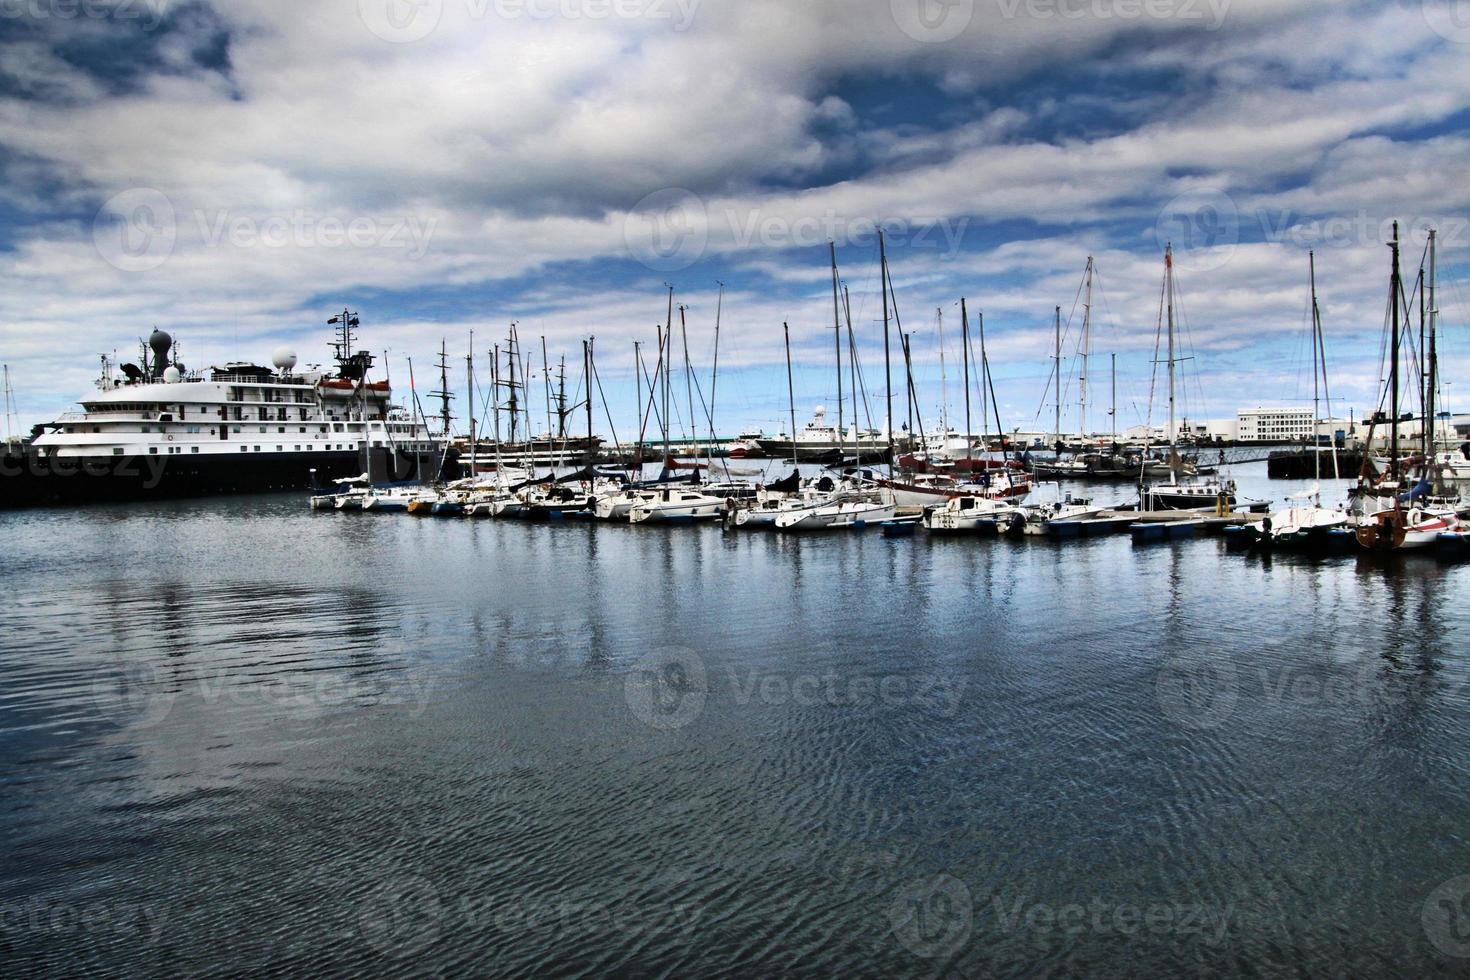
35	480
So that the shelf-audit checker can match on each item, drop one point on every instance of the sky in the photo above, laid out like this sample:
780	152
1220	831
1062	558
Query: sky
235	173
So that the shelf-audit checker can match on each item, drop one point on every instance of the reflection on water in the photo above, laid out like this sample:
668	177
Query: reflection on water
242	736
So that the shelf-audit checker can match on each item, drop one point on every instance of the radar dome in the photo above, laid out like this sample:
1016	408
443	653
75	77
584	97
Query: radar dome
820	410
284	358
172	375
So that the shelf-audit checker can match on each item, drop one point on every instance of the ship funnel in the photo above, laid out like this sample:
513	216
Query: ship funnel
159	342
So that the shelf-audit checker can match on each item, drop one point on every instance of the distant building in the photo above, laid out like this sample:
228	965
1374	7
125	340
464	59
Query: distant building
1273	424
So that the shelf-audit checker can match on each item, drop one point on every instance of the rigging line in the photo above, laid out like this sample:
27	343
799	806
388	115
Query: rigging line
652	396
611	428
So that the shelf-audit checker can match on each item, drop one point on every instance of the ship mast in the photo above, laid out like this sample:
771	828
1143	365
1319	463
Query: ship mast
1086	353
469	371
887	356
444	394
1057	381
837	342
790	390
943	382
9	409
965	350
1432	356
1169	299
1393	370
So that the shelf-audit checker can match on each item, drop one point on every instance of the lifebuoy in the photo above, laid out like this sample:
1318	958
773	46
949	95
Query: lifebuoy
170	438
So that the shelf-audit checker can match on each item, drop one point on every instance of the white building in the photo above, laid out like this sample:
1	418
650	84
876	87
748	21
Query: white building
1273	424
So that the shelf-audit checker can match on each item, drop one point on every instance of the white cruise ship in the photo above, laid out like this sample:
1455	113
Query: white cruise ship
159	430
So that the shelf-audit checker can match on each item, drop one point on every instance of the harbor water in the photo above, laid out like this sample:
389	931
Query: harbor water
242	736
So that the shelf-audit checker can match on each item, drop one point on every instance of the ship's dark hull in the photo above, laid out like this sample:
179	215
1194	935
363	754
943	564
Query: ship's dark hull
36	481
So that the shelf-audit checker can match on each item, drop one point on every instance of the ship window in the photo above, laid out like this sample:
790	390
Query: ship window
143	429
324	428
153	450
70	429
262	428
296	448
303	428
244	449
235	428
257	449
281	428
279	448
117	452
96	428
193	449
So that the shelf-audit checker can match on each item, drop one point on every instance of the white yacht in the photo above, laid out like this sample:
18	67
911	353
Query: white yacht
157	429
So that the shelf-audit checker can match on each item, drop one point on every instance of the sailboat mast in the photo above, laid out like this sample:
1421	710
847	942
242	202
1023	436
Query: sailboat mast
1169	299
1057	380
837	341
1393	370
714	377
984	418
469	371
495	395
10	407
638	403
857	442
587	377
790	389
1086	352
965	351
887	356
943	381
510	378
1113	411
546	383
1316	374
1433	358
667	341
689	383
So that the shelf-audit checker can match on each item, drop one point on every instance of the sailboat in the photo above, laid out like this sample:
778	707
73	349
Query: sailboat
1305	525
1393	515
1178	493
